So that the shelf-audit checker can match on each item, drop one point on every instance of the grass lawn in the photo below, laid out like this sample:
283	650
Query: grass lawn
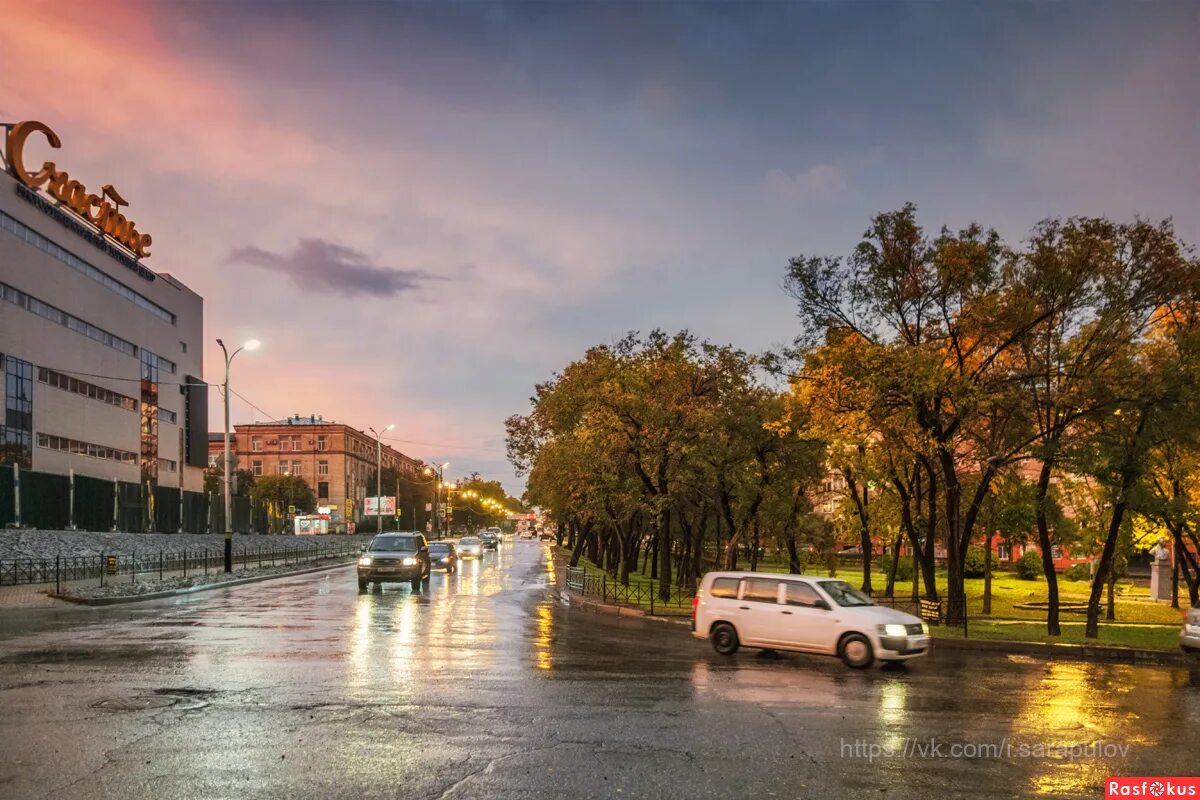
1140	622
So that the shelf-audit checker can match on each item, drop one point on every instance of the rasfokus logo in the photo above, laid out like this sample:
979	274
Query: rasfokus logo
1151	787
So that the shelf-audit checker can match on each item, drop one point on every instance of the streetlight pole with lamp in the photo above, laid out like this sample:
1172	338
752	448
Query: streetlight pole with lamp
440	472
379	476
252	344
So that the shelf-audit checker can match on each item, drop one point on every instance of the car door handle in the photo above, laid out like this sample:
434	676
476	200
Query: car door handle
785	612
744	608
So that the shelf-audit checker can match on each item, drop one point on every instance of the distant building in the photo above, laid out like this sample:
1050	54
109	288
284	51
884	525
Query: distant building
335	459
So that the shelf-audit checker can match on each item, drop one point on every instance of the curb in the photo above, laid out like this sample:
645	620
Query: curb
1080	652
137	598
1123	655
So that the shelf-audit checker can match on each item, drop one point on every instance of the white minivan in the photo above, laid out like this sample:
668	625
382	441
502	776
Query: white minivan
803	613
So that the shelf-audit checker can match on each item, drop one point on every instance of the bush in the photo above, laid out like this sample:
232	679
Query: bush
904	570
974	564
1078	572
1029	566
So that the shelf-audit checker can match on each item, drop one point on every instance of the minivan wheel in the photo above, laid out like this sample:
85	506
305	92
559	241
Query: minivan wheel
416	584
362	585
856	651
724	639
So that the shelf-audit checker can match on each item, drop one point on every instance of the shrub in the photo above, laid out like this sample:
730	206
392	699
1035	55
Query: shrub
904	569
1078	572
974	564
1029	566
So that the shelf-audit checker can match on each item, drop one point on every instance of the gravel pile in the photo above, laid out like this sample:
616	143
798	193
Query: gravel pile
48	544
127	589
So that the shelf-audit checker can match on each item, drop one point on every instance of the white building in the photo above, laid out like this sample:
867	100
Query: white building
101	355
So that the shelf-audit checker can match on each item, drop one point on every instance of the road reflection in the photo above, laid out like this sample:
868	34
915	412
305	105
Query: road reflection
452	628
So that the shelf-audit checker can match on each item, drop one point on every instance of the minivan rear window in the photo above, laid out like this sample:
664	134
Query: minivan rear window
724	587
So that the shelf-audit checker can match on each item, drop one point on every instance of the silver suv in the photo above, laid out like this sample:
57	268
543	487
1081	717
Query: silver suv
1189	637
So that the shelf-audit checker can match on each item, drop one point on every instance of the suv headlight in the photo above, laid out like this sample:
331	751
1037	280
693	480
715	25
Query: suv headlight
1193	629
364	561
925	628
893	629
408	562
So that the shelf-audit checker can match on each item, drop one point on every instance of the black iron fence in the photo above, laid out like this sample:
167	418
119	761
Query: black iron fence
201	560
640	594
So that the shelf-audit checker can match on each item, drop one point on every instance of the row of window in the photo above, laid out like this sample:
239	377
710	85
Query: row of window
289	443
767	591
76	447
60	381
56	315
84	268
285	468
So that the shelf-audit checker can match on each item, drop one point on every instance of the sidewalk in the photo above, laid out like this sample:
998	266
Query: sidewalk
41	595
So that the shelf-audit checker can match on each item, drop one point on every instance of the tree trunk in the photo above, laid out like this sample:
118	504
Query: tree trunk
987	574
1111	614
794	565
890	591
664	554
1047	548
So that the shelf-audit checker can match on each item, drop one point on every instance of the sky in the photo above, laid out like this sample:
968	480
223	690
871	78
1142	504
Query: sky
424	209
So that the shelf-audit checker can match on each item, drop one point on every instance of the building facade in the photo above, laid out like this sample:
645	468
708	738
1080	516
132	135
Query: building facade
101	355
338	461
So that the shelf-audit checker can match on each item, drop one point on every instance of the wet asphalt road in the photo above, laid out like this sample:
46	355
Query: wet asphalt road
484	686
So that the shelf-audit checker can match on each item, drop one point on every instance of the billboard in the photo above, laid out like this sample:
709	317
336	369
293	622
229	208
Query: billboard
375	506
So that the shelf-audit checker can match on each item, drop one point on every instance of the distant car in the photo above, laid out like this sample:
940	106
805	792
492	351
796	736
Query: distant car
490	540
470	546
394	558
546	536
443	555
527	534
808	615
1189	637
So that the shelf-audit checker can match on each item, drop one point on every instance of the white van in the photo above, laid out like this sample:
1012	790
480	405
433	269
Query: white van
803	613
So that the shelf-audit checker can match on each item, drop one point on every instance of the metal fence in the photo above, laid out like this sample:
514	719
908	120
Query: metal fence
581	582
609	590
188	562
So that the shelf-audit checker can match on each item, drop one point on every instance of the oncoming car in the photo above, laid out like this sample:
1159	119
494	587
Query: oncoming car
470	546
443	555
394	558
805	614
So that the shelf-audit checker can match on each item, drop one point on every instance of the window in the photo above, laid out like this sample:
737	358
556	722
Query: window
16	427
256	468
285	444
167	464
296	448
58	317
801	594
256	444
321	442
763	591
166	416
724	587
79	265
323	490
296	468
322	467
76	447
284	468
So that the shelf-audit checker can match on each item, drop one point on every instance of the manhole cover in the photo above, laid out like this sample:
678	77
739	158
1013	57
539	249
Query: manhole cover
136	703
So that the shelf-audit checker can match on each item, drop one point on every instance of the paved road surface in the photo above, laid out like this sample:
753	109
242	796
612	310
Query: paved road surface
482	686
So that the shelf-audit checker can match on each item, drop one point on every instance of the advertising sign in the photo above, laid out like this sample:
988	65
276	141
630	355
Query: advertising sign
380	506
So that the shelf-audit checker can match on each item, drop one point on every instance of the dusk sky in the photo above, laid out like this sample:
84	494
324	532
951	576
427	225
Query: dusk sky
423	209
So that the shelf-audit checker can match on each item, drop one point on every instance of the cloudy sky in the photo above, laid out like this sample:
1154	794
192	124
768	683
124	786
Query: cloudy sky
423	209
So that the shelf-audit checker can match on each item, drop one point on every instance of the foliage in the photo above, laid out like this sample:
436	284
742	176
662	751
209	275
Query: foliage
975	562
1077	572
1029	566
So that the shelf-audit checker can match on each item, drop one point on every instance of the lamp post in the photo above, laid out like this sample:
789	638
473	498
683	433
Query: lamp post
379	476
252	344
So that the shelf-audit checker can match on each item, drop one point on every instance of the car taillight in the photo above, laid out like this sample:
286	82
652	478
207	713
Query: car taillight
695	602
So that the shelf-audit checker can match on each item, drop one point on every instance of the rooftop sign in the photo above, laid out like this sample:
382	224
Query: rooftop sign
95	208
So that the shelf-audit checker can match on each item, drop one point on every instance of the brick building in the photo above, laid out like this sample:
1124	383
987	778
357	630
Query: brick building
335	459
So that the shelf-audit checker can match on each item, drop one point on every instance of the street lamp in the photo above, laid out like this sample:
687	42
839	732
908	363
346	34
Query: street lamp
251	344
379	477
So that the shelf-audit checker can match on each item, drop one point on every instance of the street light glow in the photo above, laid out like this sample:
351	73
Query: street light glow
388	428
252	344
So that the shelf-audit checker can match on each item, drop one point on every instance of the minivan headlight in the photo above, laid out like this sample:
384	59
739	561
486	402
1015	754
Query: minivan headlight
1192	629
408	562
364	561
893	629
925	628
